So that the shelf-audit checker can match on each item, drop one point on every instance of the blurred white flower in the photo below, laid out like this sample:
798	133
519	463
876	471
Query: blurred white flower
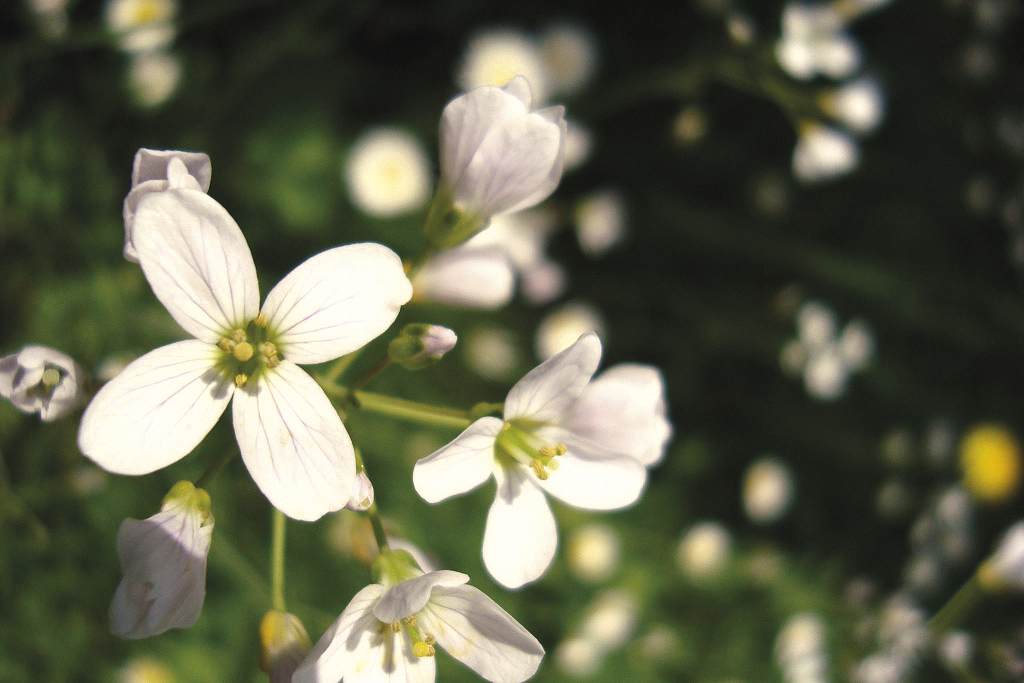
594	552
533	451
767	490
387	173
492	352
578	656
470	276
800	649
814	41
163	559
704	550
496	56
153	77
610	619
38	379
52	17
859	104
145	670
823	152
579	143
1005	567
816	324
284	644
600	219
570	53
142	25
560	328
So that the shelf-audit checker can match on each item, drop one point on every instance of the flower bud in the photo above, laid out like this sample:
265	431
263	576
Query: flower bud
284	643
362	494
39	379
420	345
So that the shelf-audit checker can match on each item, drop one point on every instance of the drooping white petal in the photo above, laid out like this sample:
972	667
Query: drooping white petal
337	301
591	476
197	262
520	537
156	410
461	466
473	277
549	390
473	629
152	164
468	119
408	597
294	444
623	409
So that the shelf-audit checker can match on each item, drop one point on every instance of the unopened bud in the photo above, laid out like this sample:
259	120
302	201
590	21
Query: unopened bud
420	345
284	643
362	496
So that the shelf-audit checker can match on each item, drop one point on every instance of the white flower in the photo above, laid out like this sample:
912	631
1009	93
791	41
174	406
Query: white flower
859	105
496	157
594	552
142	25
475	277
163	560
39	379
814	41
387	173
570	52
155	170
767	490
600	221
153	76
496	56
531	452
561	327
290	436
389	629
822	153
704	550
1005	567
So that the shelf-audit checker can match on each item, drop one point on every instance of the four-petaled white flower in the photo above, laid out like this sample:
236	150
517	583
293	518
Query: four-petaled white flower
496	157
39	379
814	41
533	451
290	436
389	629
163	560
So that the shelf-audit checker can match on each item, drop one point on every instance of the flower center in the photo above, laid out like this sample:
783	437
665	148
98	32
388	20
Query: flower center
519	441
248	351
422	643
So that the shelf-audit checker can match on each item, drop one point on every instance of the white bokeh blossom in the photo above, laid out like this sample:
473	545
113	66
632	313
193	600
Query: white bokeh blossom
497	55
823	153
814	41
290	436
387	173
163	560
38	379
389	629
532	452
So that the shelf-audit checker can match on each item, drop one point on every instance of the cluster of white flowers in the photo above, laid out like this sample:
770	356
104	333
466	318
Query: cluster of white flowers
823	355
941	541
145	30
606	625
901	637
800	649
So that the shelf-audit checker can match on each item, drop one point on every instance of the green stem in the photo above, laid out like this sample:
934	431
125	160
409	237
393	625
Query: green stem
339	367
277	561
954	611
204	481
368	375
411	411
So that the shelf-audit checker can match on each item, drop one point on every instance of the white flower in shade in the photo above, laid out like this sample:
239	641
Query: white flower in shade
533	452
474	277
155	170
389	629
496	56
570	52
767	490
290	436
497	157
822	153
38	379
163	560
814	41
600	221
387	173
560	328
859	105
624	409
142	25
153	77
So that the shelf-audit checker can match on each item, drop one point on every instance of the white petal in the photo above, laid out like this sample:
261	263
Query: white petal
408	597
197	262
152	164
460	466
156	410
477	278
519	88
550	389
590	476
473	629
623	409
520	538
352	641
337	301
294	444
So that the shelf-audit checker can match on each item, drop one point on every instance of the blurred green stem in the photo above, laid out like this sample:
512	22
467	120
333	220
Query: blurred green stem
954	611
277	561
203	482
411	411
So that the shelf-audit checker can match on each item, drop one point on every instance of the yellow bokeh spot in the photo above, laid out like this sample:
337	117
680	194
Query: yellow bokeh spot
990	459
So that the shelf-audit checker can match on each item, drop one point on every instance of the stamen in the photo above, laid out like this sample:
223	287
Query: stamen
226	345
238	336
260	320
422	649
396	626
538	469
241	380
410	621
243	351
51	377
269	352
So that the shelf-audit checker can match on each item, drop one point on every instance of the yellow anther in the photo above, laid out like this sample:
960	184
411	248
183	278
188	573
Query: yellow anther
429	639
51	377
241	380
396	626
260	320
226	345
238	336
410	621
243	351
561	449
421	649
538	469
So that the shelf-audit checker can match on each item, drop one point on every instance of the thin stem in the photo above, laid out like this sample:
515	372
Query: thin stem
368	375
204	481
378	528
339	367
277	561
953	612
412	411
